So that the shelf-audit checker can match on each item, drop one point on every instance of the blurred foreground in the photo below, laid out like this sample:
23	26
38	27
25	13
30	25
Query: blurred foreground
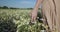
16	20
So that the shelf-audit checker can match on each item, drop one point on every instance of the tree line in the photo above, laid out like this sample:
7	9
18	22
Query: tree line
5	7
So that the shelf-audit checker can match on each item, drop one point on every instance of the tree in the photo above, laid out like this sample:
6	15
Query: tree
0	7
5	7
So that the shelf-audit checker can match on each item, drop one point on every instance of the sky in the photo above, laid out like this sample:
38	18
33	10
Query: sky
18	3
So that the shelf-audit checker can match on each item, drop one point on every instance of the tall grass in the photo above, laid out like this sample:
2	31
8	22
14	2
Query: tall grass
21	19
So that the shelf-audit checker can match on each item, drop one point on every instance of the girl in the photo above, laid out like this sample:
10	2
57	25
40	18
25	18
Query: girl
50	10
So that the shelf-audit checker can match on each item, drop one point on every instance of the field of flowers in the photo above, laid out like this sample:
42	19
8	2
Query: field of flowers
17	20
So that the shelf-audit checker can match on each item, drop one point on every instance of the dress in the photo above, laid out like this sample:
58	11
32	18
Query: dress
51	9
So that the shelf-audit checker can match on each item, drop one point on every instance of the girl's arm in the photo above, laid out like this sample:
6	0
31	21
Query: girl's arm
37	5
35	10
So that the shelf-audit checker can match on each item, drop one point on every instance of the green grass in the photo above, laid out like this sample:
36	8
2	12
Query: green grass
21	18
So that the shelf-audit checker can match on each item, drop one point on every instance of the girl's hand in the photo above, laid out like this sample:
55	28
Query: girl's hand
33	16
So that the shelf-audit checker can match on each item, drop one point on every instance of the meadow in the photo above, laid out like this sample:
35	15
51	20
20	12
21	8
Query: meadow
19	20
